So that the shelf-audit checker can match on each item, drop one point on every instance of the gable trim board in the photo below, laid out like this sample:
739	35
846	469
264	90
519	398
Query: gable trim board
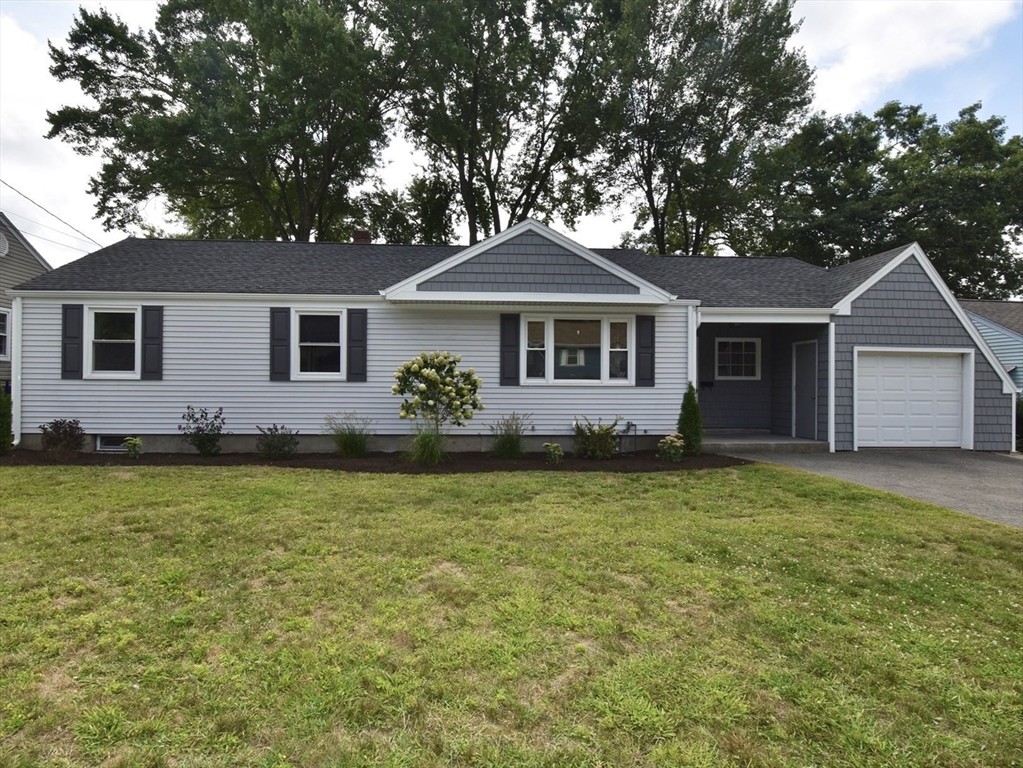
23	241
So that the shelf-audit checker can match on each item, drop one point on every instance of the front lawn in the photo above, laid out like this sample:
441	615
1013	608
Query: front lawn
750	616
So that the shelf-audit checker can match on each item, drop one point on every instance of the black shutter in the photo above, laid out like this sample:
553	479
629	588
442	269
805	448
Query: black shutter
509	350
152	343
71	341
644	350
356	345
280	344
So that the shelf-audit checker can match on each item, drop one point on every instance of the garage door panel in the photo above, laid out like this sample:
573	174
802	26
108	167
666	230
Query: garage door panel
909	400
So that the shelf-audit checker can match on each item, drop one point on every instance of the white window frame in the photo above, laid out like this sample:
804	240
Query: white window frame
717	351
549	351
5	353
296	363
89	339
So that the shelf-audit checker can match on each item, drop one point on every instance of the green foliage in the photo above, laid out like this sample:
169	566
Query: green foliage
690	422
6	422
436	390
595	441
847	187
555	453
671	447
426	446
350	433
202	430
63	437
277	442
133	447
508	431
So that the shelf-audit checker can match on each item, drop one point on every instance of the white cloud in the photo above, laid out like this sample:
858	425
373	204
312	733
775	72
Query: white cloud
861	48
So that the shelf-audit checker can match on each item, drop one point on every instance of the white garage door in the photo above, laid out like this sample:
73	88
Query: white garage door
909	400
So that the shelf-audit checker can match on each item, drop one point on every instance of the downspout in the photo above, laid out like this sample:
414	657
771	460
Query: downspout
16	370
831	386
1015	405
694	321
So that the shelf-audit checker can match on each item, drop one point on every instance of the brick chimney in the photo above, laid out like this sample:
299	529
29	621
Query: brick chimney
362	237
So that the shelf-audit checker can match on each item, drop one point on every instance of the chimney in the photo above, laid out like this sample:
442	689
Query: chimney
362	237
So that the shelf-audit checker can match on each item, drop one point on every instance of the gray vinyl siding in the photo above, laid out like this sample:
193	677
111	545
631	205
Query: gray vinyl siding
1007	346
216	354
730	403
528	263
16	266
905	310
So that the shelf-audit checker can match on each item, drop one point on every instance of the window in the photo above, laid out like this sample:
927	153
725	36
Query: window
112	343
583	350
318	339
5	335
737	358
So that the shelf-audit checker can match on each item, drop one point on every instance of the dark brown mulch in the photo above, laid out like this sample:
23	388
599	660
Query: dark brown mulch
640	461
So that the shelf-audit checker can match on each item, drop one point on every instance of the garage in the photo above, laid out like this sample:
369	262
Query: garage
911	399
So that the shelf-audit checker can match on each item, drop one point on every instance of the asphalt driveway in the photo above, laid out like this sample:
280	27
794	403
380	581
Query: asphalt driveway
988	485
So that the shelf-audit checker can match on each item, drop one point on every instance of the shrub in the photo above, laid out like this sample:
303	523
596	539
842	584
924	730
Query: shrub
63	437
133	447
350	433
277	442
555	453
426	446
203	431
690	422
508	433
6	422
596	441
671	448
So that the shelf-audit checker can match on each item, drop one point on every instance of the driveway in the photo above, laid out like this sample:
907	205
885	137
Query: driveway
988	485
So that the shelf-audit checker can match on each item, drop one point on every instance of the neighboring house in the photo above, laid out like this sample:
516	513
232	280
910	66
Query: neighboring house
1001	325
875	353
19	262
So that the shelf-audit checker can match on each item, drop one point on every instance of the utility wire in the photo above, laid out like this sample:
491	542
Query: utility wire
62	245
58	218
44	226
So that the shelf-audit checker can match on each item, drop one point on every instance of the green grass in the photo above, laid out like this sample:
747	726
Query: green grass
754	616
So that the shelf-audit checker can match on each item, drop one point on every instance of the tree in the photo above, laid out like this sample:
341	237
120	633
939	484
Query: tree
696	87
252	118
505	106
423	213
844	188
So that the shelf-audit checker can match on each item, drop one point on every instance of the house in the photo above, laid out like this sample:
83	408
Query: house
1001	325
875	353
19	261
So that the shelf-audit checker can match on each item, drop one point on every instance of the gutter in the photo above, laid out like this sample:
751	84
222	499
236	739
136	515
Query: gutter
15	336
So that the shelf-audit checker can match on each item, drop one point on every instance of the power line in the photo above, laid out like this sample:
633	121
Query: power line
62	245
58	218
44	226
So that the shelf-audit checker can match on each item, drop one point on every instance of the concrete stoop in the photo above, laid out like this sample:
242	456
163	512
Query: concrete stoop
728	443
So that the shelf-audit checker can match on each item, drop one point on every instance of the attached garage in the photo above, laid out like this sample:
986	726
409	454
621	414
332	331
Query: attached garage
913	398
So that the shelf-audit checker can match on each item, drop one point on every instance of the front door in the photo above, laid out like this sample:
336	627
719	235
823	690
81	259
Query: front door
804	389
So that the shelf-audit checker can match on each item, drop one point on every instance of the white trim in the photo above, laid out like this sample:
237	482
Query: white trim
831	387
692	362
295	350
816	383
844	307
5	352
549	350
764	315
518	299
214	298
745	339
24	242
16	373
88	339
1012	445
407	289
966	434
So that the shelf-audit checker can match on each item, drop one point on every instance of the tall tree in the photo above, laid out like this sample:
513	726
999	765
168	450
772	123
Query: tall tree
697	86
252	118
844	188
505	106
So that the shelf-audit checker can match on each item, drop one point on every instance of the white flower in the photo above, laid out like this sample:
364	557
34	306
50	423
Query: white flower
422	387
395	389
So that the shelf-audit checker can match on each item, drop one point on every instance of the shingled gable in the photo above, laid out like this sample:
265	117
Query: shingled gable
528	264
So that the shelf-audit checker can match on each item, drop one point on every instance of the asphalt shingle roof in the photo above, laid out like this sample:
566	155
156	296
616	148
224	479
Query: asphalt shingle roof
349	269
1008	314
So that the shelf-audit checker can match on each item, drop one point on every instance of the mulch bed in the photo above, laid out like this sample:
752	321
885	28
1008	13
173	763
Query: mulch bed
393	463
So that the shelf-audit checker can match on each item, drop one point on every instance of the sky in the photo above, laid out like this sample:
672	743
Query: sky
942	54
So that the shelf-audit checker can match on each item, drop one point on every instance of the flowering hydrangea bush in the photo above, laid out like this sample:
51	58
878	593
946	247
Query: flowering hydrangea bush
435	390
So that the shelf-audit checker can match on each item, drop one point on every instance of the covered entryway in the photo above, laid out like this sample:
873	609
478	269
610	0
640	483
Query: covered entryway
912	399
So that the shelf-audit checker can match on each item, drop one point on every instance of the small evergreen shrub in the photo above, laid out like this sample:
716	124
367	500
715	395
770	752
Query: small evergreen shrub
277	442
595	441
350	433
203	431
63	437
6	422
690	422
508	433
555	453
671	448
426	446
133	447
